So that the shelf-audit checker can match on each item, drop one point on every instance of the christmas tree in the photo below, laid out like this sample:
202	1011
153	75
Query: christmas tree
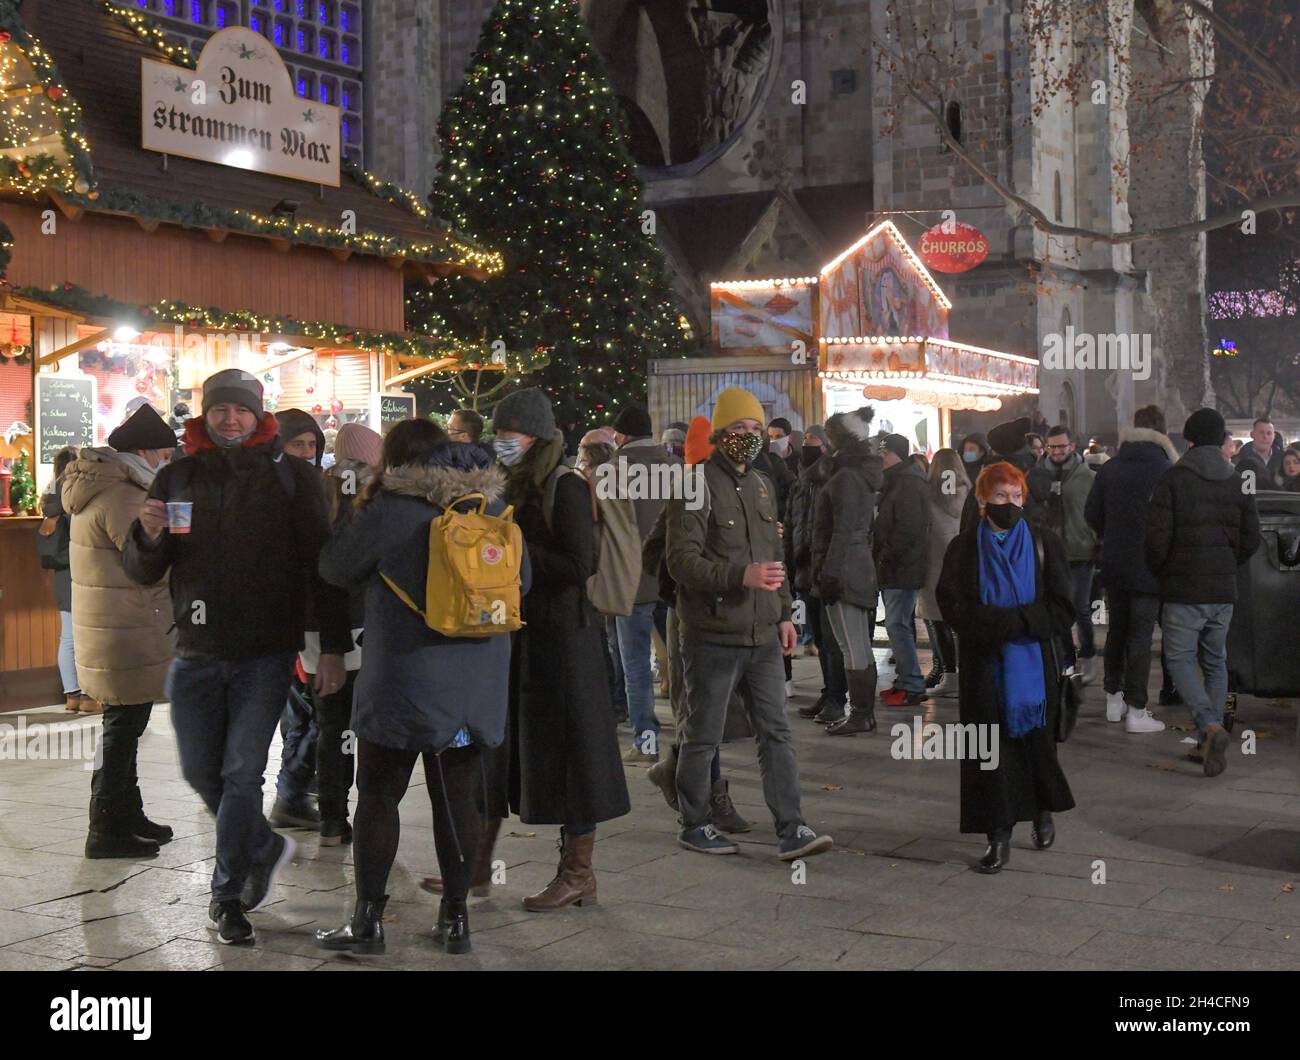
22	487
535	164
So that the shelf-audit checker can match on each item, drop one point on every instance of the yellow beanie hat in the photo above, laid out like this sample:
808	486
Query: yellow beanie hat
736	403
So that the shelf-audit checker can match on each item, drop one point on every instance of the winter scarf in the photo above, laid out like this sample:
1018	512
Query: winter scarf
197	437
1007	579
528	477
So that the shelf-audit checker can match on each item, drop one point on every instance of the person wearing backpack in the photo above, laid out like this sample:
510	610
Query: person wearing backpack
423	694
238	573
637	449
563	765
52	547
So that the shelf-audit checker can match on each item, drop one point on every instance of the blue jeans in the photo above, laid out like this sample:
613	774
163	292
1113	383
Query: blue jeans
900	606
298	753
225	714
617	687
1185	628
67	657
634	635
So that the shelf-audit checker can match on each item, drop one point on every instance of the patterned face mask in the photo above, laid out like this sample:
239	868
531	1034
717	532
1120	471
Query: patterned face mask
741	448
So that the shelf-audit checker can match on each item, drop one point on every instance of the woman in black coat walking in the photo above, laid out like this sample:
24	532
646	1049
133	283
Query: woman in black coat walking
419	694
1005	589
844	571
564	766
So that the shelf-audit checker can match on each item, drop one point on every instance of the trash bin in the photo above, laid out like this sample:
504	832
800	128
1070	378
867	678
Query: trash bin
1263	649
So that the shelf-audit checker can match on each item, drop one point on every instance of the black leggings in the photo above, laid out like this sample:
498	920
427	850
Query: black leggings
944	646
455	780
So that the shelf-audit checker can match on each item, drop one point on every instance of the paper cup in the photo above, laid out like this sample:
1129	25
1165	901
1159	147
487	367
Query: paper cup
179	516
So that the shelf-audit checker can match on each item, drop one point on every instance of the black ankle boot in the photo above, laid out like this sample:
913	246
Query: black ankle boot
364	933
1044	830
452	932
142	826
111	833
997	855
862	700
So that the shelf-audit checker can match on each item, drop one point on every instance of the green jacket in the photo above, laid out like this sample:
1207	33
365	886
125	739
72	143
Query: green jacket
709	549
1062	509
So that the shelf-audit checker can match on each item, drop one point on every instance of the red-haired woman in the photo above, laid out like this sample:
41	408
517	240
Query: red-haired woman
1005	590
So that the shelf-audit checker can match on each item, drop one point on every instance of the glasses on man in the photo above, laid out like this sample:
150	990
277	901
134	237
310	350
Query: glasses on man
460	436
1060	448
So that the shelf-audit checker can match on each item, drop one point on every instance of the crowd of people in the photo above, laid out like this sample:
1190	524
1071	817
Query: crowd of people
266	575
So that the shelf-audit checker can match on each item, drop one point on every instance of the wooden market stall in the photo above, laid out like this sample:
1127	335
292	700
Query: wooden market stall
137	265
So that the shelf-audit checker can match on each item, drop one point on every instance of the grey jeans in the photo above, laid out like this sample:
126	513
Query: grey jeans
712	672
1185	628
852	629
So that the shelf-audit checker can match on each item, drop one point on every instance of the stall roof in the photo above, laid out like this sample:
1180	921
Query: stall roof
98	57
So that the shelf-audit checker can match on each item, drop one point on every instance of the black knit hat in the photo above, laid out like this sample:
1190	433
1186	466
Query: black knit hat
634	421
144	429
526	411
896	444
294	422
1007	438
849	428
1205	427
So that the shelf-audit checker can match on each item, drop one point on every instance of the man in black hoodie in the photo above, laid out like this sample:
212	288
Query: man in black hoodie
239	568
1201	526
901	550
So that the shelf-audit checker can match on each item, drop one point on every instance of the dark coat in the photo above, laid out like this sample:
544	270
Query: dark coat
1268	473
778	474
564	762
417	688
52	508
1117	507
250	557
843	569
1201	526
801	510
652	558
903	528
1028	779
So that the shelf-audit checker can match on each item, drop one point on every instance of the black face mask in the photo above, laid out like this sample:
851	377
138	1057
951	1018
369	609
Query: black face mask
1004	516
810	455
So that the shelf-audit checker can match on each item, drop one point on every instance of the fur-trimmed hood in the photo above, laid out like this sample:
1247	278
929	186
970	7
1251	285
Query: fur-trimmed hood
1145	434
440	485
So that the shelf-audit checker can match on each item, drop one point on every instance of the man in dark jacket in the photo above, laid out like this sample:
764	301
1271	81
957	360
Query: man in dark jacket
639	456
901	551
780	444
1060	483
295	807
1261	458
1202	525
1117	510
733	600
239	572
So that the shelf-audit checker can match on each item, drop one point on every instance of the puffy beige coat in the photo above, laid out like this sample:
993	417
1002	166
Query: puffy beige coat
122	630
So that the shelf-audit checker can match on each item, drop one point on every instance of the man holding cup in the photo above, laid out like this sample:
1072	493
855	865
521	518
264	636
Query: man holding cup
239	527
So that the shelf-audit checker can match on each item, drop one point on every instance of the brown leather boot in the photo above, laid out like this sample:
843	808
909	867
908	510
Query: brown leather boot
480	885
90	706
73	702
574	883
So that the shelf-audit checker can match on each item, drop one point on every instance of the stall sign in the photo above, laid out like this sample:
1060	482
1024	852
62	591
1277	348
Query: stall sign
238	108
65	414
953	247
393	409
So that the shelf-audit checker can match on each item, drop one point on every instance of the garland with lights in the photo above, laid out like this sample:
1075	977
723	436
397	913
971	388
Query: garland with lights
148	318
150	32
46	97
535	162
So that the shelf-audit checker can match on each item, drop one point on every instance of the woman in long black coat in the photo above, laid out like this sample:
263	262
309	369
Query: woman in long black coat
565	767
1028	784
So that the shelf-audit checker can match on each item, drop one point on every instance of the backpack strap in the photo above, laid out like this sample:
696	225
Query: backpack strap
548	491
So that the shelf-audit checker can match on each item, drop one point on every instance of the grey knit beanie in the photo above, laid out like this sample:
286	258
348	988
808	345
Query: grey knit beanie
526	411
235	387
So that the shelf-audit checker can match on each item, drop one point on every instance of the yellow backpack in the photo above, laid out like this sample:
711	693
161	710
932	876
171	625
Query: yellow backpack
473	586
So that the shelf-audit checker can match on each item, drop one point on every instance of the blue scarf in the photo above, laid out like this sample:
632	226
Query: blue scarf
1008	579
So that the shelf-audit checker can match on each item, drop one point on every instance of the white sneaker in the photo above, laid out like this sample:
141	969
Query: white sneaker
947	686
1116	708
1085	669
789	689
1142	721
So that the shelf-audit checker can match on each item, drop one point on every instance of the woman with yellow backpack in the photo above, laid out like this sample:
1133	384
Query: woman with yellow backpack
431	686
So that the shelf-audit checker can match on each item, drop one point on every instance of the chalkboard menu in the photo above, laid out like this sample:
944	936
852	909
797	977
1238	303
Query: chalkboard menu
393	408
65	414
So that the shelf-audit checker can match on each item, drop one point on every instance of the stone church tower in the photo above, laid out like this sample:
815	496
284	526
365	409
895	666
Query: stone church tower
769	138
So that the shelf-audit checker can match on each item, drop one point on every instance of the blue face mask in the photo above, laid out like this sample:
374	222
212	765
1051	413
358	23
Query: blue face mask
970	457
509	453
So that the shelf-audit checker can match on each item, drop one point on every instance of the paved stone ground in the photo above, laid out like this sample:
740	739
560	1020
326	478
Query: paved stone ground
1199	874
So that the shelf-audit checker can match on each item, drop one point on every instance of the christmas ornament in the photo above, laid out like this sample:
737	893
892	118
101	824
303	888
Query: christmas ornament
316	410
336	406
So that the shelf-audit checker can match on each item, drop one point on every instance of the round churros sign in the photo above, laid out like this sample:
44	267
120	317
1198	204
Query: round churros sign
953	247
